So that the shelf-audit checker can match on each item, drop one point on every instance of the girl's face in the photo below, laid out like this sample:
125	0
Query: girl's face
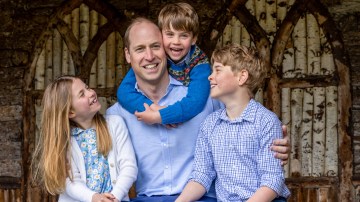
84	104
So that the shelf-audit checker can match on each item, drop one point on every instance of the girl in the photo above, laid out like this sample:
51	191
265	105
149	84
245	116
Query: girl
82	155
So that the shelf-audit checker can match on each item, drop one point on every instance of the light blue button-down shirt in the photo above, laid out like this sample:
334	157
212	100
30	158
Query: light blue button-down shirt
236	154
164	156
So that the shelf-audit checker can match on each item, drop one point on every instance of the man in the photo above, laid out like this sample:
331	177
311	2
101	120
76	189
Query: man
164	155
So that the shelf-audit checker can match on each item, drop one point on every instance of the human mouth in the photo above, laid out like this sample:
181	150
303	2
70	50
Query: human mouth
151	66
94	101
176	50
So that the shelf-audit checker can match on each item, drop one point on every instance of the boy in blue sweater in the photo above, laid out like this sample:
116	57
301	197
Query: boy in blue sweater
179	24
233	143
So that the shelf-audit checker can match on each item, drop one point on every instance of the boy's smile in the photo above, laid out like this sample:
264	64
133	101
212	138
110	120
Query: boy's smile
223	81
177	43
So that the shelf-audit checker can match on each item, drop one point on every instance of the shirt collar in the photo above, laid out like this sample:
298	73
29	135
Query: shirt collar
247	115
77	131
173	82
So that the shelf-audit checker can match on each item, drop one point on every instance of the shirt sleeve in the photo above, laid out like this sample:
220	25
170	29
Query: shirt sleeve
270	170
126	167
204	171
195	100
128	97
76	188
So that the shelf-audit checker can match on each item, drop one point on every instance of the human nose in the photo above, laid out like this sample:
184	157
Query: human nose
211	76
91	92
176	40
149	55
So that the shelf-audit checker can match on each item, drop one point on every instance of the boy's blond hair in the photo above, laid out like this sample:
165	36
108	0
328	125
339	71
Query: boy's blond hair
239	58
51	163
181	16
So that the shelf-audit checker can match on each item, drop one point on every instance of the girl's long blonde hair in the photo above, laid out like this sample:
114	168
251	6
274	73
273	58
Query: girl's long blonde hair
51	163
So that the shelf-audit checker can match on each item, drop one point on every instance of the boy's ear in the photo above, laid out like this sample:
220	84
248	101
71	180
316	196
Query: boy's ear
243	76
194	40
127	55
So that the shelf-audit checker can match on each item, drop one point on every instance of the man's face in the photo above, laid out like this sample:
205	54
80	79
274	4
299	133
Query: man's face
146	53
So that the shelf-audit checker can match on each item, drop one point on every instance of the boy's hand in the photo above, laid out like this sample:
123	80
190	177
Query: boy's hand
156	107
281	147
149	116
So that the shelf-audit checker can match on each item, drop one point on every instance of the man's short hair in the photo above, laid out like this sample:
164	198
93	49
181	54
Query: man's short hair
133	22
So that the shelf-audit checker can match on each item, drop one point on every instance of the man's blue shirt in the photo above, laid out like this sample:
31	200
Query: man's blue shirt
164	155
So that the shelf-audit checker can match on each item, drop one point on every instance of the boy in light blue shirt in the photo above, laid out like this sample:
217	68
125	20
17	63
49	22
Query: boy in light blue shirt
188	64
233	143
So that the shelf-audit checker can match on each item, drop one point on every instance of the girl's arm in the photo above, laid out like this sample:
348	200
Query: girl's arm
195	100
125	161
128	97
77	188
192	192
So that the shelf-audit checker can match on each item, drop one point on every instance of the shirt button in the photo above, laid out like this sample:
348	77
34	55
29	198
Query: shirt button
114	181
111	165
166	167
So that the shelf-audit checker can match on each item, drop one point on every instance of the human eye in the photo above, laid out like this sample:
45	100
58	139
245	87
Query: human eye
169	34
185	35
81	94
156	46
139	49
217	69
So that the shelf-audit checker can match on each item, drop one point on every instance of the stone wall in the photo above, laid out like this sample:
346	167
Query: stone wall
20	26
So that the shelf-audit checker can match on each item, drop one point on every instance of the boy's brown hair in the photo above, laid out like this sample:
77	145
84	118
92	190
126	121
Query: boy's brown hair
181	16
239	58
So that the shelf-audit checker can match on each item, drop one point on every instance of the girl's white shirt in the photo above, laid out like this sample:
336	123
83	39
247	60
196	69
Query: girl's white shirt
122	164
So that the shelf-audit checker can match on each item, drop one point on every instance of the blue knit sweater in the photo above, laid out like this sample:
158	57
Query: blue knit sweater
192	72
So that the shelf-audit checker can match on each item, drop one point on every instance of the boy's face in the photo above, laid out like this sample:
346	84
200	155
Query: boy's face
223	81
177	43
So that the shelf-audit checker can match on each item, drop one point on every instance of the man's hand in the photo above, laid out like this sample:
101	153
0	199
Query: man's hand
281	147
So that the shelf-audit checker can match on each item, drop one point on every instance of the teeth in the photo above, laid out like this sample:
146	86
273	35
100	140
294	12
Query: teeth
150	66
93	101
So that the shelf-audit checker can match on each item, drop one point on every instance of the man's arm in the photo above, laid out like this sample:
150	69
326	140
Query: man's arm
281	147
192	192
